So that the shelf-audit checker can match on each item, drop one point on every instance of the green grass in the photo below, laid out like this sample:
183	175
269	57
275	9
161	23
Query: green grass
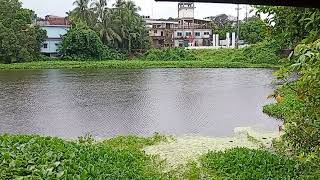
131	64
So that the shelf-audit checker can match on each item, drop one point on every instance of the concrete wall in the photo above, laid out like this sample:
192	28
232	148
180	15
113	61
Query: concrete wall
156	32
52	46
53	40
55	31
186	13
193	32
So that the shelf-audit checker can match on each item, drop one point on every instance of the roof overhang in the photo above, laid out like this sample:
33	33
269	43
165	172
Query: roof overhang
294	3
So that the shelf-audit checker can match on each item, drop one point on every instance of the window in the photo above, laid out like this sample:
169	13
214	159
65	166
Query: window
155	31
188	33
56	44
206	33
179	33
45	46
198	34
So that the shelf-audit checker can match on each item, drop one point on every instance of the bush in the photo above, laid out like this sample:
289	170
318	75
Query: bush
82	43
112	54
264	52
300	108
169	54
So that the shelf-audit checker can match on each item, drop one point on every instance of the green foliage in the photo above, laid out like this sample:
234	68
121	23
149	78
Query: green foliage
19	40
264	52
261	55
170	54
290	25
300	108
254	30
83	43
35	157
132	64
287	108
119	27
223	30
242	163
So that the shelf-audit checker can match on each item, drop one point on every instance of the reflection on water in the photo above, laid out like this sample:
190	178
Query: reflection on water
105	103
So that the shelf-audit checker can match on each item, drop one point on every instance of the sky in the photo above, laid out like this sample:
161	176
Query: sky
148	8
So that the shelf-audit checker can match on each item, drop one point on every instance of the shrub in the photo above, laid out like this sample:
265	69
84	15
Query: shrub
169	54
264	52
82	43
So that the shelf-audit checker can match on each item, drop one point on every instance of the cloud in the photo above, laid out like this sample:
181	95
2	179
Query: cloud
149	7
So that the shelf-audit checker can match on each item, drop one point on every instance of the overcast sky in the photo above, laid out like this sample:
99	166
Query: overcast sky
148	7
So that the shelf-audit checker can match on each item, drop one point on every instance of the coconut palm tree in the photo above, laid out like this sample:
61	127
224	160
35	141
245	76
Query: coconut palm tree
98	7
107	29
81	10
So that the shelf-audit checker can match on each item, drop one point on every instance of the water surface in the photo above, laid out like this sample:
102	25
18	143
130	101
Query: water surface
105	103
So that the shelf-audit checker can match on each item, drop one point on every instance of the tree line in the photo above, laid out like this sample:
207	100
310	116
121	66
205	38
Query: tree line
119	28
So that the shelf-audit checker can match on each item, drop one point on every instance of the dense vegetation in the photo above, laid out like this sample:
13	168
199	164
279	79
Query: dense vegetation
292	25
120	28
242	163
261	55
19	40
300	105
298	98
35	157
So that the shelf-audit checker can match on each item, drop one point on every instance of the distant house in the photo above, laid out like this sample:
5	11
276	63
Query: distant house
56	27
183	31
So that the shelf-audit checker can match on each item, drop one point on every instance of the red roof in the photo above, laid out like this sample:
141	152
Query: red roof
55	20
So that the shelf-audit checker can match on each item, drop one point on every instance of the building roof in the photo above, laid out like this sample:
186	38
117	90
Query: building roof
53	21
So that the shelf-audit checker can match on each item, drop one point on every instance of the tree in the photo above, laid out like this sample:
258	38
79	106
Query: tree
107	29
254	30
82	42
291	25
222	24
119	27
83	13
19	39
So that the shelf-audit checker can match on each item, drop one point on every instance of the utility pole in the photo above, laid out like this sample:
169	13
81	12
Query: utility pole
238	26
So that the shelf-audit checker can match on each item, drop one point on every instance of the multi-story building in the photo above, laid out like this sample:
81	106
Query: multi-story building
161	32
181	32
56	27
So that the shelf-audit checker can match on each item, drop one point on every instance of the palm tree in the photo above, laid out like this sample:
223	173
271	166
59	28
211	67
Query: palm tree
127	14
99	6
106	28
82	9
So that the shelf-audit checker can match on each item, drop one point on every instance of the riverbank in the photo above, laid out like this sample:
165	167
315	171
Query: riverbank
126	158
131	64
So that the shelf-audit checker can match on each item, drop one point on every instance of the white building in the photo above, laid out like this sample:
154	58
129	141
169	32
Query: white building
181	32
55	27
